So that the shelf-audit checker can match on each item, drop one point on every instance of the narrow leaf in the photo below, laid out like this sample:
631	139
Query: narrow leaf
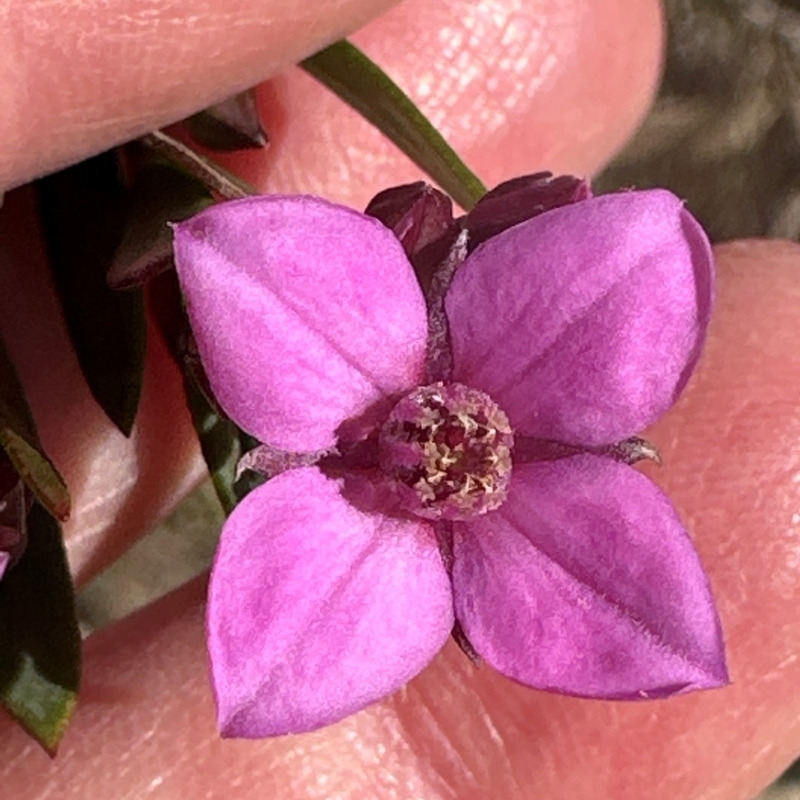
162	194
222	443
219	444
82	211
215	177
20	441
348	73
233	124
39	637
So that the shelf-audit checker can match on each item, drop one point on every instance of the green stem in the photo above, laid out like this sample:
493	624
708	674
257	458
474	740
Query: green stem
348	73
204	169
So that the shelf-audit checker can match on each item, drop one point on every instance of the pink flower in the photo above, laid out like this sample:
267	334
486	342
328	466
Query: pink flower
339	580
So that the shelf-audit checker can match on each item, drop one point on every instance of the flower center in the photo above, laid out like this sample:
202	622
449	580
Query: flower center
447	449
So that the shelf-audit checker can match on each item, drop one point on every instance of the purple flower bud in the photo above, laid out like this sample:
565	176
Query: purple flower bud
416	213
521	199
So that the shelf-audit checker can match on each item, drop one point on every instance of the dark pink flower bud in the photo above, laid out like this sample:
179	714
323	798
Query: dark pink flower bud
416	213
521	199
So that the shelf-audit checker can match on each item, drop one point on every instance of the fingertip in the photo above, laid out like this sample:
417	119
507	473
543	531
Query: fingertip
79	77
732	464
515	87
549	84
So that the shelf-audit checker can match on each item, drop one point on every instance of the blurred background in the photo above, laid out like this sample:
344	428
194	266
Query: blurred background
724	134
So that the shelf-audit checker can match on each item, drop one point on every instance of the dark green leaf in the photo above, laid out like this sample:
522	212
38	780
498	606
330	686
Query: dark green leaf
215	177
347	72
162	194
40	644
19	439
222	444
82	211
219	443
233	124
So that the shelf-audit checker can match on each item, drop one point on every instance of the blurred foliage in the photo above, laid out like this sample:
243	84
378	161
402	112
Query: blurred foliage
725	131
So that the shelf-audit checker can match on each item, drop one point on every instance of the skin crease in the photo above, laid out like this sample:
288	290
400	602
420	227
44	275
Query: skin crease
145	725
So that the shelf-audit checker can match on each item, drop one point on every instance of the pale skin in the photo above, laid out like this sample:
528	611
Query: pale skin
581	73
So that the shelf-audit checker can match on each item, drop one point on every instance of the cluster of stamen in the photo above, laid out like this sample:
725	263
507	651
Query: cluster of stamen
447	449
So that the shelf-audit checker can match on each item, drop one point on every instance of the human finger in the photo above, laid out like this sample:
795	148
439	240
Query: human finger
572	55
79	76
732	470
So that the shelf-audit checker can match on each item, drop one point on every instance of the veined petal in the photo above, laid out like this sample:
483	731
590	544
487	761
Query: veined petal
316	609
305	313
586	583
585	323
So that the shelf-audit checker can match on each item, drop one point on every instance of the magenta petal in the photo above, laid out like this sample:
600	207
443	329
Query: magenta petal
584	323
305	314
586	583
316	609
5	558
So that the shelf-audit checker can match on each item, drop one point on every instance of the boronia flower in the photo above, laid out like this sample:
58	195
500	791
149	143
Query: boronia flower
454	463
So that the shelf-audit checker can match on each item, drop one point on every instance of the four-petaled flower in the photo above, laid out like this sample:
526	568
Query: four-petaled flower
401	515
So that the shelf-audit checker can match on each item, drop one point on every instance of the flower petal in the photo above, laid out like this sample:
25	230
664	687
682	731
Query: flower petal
586	583
585	323
316	609
305	314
